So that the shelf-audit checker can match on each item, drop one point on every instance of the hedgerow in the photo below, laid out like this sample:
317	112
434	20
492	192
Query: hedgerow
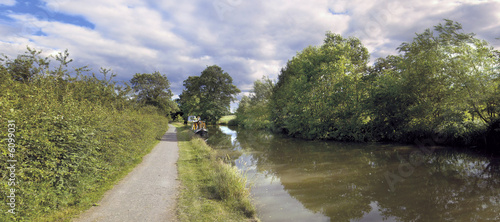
75	134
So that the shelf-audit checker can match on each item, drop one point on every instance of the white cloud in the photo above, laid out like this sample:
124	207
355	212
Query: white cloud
8	2
248	39
384	25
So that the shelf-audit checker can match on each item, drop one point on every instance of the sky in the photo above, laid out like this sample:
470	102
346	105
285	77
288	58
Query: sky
247	39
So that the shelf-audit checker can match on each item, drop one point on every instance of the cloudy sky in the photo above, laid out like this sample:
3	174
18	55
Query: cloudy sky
248	39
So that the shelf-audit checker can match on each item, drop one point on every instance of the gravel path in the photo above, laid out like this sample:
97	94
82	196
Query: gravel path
148	193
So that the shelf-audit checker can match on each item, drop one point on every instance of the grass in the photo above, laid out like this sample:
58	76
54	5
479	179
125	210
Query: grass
225	119
211	190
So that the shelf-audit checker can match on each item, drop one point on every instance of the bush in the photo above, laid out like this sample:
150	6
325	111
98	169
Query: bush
179	118
73	136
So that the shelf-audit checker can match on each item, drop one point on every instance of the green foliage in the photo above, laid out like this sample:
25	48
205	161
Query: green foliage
27	66
387	101
73	135
179	118
441	83
208	95
153	89
444	82
253	112
319	93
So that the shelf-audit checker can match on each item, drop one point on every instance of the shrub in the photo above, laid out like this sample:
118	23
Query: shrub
179	118
73	135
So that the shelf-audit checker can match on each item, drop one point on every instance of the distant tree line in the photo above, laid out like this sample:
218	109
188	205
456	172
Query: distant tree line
444	82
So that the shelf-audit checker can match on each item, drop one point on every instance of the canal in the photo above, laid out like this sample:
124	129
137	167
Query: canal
297	180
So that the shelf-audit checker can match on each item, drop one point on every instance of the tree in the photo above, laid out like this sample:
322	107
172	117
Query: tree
154	89
262	90
208	95
253	111
387	103
443	81
243	109
319	92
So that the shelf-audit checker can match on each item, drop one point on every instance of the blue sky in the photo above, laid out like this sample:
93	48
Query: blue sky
248	39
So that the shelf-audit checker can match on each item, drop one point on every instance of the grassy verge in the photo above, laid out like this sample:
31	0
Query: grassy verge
225	120
211	190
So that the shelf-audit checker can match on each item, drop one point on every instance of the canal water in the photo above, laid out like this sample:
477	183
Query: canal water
297	180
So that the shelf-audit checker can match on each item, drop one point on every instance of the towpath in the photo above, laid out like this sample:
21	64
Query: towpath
148	193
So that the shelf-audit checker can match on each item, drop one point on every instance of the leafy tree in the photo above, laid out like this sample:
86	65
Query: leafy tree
243	107
443	81
154	89
208	95
386	103
253	111
189	99
262	90
319	93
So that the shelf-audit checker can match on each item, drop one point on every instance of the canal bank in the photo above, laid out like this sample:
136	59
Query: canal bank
211	190
296	180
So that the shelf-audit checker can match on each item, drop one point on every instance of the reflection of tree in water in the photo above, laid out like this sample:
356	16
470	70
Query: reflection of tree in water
309	176
449	187
493	168
341	180
219	140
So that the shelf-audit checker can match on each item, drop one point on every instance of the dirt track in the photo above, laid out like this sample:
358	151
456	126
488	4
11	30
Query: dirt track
148	193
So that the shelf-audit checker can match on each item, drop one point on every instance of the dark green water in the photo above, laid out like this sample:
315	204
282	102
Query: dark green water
296	180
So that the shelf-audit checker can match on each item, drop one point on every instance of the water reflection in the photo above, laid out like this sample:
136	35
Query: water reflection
296	180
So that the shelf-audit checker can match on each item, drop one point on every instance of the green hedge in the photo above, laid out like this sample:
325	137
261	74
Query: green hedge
73	137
